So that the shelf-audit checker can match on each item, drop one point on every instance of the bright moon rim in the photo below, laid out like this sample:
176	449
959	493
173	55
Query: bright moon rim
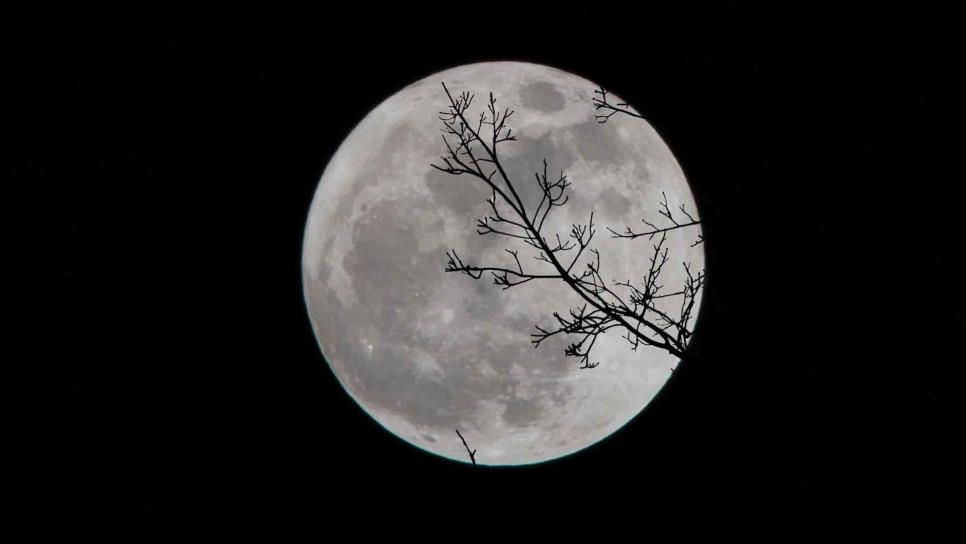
426	352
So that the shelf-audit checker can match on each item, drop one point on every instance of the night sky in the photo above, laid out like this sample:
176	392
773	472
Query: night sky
178	157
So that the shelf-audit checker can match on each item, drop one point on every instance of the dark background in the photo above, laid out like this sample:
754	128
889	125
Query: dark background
178	155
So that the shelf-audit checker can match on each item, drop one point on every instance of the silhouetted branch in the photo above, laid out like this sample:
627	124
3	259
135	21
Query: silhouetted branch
587	325
607	109
666	212
568	258
471	452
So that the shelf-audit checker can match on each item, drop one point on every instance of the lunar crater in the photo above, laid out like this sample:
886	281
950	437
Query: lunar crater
542	96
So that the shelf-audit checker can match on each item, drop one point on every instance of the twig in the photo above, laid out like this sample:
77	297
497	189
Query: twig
609	109
472	453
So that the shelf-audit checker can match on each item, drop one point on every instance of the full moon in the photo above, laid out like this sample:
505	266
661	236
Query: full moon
427	352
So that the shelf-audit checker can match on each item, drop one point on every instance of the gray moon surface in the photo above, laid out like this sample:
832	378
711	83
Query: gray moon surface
426	352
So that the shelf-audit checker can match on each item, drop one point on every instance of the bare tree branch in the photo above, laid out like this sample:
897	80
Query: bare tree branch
471	452
607	109
666	212
569	259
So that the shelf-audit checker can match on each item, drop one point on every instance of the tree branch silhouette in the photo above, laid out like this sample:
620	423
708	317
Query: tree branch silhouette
472	149
606	109
471	452
666	212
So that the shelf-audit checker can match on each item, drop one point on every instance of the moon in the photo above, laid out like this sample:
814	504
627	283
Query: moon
425	352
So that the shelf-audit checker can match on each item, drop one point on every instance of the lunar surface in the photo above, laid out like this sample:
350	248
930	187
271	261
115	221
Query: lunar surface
426	352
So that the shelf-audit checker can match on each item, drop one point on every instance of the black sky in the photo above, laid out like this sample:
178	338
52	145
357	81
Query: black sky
178	156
